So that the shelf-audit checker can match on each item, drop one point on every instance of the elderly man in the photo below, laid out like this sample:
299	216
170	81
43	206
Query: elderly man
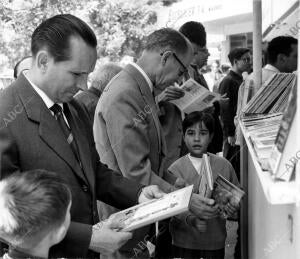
23	65
42	126
100	78
127	130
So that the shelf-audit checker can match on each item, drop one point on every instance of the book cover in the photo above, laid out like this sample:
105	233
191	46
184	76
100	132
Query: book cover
196	97
169	205
225	192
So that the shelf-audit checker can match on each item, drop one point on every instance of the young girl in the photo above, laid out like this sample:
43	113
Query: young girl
203	239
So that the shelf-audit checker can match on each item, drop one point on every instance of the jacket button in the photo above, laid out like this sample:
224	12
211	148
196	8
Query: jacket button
85	188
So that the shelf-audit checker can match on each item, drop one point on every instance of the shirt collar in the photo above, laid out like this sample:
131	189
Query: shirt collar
49	103
272	68
144	75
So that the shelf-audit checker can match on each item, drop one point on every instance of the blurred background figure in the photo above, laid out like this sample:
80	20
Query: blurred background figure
99	80
214	75
23	65
224	69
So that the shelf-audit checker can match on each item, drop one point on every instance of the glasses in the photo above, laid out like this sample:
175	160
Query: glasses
185	69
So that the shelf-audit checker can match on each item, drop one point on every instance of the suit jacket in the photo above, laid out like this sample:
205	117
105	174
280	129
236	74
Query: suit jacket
30	138
127	130
89	98
128	135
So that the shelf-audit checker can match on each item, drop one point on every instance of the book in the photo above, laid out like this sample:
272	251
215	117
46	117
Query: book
146	213
282	136
272	97
196	97
225	192
206	184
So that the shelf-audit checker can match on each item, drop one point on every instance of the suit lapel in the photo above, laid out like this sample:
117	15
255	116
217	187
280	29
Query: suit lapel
49	129
146	93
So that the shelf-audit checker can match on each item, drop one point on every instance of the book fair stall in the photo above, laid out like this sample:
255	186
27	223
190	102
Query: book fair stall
270	152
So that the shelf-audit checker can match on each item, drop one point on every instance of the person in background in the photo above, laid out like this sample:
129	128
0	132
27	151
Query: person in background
240	60
35	213
282	56
23	65
194	237
225	68
100	78
214	75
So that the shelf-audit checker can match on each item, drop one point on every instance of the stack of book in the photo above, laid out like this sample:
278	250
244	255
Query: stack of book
273	96
262	130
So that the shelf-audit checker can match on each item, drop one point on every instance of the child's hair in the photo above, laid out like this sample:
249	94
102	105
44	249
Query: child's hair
32	204
195	117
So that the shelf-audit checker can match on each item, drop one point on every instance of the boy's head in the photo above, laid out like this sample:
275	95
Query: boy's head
240	59
198	130
35	207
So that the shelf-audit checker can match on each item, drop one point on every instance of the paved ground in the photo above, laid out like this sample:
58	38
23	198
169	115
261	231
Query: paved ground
231	227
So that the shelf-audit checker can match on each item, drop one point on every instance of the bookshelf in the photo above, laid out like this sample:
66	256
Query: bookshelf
270	214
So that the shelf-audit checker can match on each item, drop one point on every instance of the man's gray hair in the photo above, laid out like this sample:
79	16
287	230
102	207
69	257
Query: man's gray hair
104	74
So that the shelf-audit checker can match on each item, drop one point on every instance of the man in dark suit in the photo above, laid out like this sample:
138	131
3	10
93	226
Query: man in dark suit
100	78
42	126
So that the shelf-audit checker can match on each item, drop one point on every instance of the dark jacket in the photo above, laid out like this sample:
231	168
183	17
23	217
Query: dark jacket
89	99
30	138
230	85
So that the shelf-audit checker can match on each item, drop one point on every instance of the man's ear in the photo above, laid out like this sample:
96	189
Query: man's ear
42	59
164	56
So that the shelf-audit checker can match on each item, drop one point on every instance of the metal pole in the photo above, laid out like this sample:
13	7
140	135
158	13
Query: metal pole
257	43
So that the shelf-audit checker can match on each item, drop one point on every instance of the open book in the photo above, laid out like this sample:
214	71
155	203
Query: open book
169	205
196	97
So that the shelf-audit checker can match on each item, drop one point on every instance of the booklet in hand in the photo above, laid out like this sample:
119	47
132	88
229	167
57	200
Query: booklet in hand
196	97
206	183
146	213
225	192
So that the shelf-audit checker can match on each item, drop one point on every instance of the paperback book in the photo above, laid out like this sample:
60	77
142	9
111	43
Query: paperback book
169	205
196	97
224	192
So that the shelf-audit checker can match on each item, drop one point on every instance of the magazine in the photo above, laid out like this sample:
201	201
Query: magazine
224	192
282	136
206	183
196	97
169	205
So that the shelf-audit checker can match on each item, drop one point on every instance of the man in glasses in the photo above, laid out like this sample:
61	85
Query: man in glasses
127	130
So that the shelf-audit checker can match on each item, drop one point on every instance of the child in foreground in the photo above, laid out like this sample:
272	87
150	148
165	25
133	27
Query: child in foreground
35	213
193	237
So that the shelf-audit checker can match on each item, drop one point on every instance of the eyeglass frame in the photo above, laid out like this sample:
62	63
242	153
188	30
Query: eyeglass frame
185	69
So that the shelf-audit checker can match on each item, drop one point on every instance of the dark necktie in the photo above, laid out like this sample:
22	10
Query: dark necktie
58	113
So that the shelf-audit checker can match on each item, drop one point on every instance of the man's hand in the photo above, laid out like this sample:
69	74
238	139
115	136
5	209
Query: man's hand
150	192
105	239
180	183
202	207
170	93
231	141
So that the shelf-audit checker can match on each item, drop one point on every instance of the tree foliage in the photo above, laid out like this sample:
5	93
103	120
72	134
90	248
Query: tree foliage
120	25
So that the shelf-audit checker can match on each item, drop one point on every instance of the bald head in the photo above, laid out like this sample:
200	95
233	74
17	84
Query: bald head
104	74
